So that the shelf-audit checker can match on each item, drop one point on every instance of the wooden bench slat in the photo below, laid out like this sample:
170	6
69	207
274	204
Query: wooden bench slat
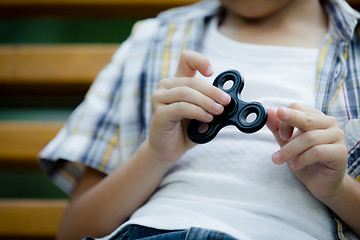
20	142
90	8
30	217
53	64
95	2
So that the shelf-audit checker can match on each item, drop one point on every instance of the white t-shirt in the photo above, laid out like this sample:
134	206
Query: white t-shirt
230	184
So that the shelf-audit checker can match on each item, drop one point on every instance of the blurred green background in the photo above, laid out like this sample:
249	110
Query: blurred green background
55	30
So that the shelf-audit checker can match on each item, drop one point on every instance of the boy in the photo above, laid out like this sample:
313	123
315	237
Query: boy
127	149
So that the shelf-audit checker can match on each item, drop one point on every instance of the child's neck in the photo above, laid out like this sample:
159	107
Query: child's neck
300	24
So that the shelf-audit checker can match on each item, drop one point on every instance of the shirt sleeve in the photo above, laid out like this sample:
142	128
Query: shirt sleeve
352	134
90	136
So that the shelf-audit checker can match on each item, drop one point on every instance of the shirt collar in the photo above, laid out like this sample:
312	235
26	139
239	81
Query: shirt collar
342	19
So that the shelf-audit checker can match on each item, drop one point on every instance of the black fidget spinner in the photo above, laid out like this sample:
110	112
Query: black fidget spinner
236	113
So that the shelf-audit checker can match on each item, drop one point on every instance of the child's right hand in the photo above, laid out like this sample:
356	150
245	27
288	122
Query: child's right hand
179	99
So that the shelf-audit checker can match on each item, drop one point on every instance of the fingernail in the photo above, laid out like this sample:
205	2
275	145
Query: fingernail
293	164
209	71
283	136
225	98
209	117
217	107
277	158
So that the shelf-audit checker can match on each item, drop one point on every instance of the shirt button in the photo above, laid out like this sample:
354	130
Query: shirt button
337	70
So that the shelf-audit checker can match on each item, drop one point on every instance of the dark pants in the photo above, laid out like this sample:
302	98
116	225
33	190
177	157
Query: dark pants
139	232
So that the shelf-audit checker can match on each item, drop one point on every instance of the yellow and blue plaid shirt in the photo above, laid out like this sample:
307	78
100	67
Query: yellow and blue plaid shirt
113	120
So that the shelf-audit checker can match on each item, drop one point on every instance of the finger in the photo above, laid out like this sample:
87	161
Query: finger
273	124
332	156
178	111
304	108
285	131
189	95
303	142
190	62
199	85
305	121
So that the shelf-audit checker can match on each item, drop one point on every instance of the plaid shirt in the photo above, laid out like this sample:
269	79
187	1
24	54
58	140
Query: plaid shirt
113	120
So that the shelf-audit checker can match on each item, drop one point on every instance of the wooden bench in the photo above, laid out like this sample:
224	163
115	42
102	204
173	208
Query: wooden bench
35	219
43	68
55	69
87	8
37	68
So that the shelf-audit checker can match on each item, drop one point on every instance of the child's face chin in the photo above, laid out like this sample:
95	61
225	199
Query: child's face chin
255	9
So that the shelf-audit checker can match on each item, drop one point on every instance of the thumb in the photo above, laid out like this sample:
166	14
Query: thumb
190	62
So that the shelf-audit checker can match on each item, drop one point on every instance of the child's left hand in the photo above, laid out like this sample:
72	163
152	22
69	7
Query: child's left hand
315	152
